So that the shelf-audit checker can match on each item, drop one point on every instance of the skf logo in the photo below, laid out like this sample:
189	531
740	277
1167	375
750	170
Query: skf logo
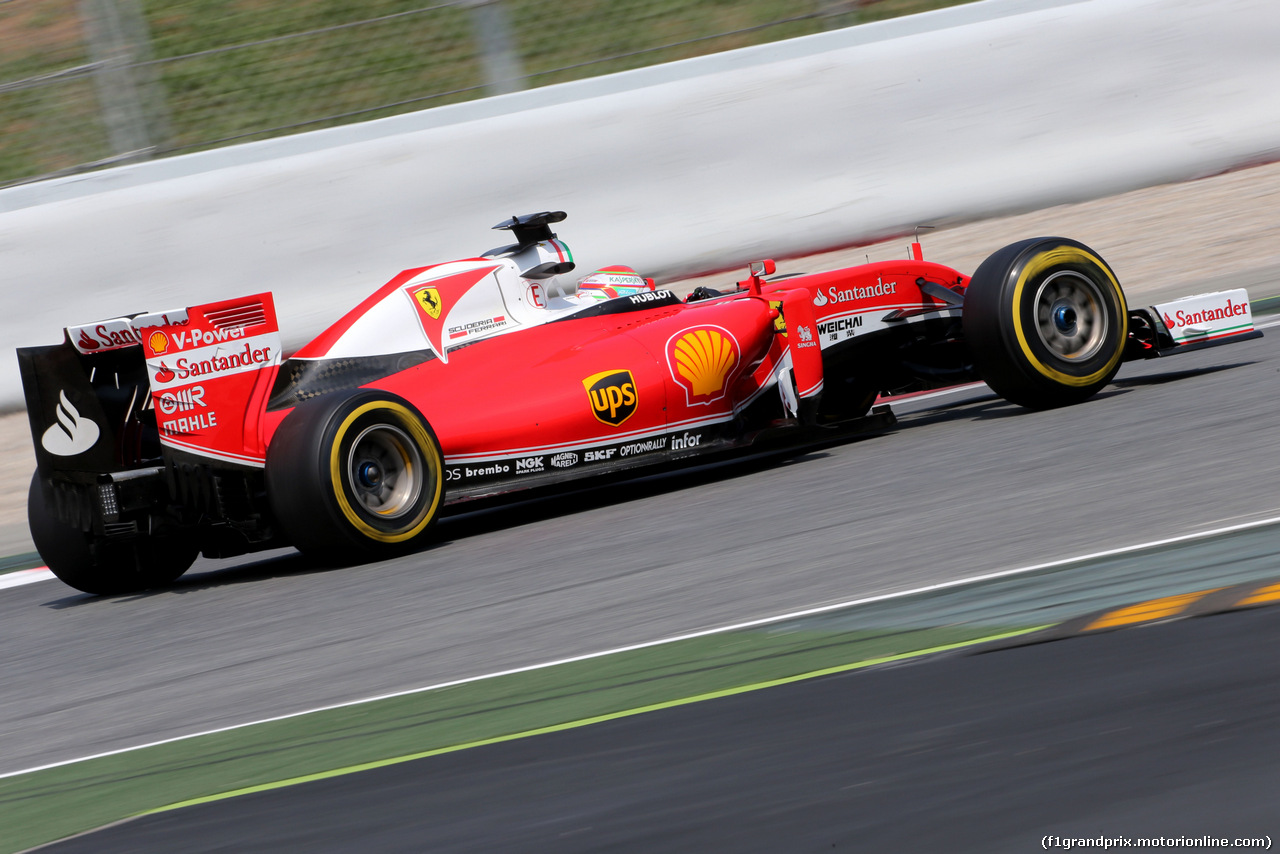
613	396
429	299
158	342
701	361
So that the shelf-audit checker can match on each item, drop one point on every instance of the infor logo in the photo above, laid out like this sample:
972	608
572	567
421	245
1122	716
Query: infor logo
613	396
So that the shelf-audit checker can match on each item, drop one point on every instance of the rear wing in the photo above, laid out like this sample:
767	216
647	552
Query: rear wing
117	394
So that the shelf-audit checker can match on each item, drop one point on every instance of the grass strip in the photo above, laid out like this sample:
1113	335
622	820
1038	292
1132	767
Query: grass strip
13	563
1267	305
45	805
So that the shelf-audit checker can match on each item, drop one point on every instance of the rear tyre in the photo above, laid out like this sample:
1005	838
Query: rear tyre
101	566
355	475
1046	322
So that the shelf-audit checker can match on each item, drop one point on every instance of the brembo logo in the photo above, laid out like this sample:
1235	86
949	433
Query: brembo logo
613	396
72	434
701	361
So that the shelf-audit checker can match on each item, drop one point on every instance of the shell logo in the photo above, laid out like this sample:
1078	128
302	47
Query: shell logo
701	360
158	342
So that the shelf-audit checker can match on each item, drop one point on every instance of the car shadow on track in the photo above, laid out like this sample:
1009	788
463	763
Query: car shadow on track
990	407
207	577
1174	376
534	506
481	518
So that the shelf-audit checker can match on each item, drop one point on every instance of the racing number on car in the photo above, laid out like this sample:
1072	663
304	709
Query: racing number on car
613	396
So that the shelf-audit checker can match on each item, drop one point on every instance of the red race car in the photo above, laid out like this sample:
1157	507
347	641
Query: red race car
160	436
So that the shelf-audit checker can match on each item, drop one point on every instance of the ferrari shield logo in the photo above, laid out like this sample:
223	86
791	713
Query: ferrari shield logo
779	322
613	396
429	299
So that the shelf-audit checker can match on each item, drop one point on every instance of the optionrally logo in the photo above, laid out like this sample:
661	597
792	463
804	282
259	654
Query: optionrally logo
429	299
701	361
72	434
613	396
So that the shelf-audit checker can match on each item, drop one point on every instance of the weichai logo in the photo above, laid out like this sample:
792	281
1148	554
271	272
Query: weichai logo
613	396
701	361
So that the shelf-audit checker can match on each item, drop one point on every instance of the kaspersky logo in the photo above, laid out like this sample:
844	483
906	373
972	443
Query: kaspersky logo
701	361
613	396
72	434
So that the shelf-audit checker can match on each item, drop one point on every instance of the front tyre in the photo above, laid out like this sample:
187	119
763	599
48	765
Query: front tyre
1046	322
99	565
355	474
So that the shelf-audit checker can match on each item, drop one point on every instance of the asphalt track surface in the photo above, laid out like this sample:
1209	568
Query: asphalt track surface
1162	731
966	485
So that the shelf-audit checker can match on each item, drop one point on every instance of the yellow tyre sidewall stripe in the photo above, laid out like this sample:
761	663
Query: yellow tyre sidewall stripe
430	453
1037	265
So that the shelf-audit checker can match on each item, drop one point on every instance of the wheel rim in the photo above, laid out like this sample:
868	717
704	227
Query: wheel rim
1071	317
385	470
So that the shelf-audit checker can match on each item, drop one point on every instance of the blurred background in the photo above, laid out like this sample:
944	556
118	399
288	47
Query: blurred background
92	83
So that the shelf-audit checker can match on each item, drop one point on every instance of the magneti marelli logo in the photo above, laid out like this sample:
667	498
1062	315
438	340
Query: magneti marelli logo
72	434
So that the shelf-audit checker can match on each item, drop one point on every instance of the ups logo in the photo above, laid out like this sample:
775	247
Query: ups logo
613	396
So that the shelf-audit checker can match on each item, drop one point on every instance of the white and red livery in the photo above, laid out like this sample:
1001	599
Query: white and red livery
162	435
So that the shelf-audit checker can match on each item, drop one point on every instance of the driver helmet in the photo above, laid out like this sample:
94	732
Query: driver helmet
612	282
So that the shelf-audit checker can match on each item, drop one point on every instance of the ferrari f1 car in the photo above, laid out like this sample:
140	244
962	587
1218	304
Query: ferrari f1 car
164	435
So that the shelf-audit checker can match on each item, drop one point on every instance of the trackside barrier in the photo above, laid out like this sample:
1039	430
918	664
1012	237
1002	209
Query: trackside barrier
831	140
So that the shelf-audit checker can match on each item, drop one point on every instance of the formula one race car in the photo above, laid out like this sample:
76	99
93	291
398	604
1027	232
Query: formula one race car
160	436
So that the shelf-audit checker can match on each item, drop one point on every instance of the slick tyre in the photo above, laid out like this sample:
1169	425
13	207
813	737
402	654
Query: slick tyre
355	475
1046	322
100	566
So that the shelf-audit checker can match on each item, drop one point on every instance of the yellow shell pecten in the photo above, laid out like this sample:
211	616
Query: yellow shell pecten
705	357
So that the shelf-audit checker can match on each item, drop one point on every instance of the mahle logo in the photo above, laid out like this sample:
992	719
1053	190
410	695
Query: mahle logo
613	396
429	299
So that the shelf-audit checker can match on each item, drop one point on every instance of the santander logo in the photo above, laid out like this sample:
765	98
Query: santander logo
72	434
